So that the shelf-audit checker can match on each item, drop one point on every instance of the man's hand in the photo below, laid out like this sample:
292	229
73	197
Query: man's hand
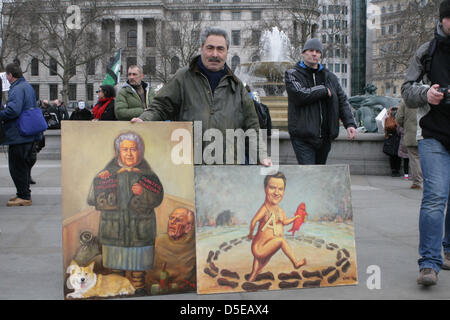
351	132
135	120
434	96
267	162
329	92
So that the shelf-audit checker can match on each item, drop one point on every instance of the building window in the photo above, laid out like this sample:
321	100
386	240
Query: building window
383	30
330	9
256	58
34	67
215	15
324	24
174	65
383	9
90	68
330	38
324	9
391	29
337	67
344	68
344	24
150	38
150	66
131	61
176	39
235	61
324	38
388	88
53	91
236	37
53	68
131	39
330	67
399	28
338	53
196	16
72	91
330	24
36	90
256	36
236	15
344	83
344	10
388	67
90	91
256	15
394	90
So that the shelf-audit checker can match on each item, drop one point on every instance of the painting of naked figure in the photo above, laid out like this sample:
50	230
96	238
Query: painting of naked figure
292	228
128	211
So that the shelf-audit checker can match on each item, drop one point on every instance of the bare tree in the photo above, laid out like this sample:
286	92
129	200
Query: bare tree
12	46
67	33
415	25
177	43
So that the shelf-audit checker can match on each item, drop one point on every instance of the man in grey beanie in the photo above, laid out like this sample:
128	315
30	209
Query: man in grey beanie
316	102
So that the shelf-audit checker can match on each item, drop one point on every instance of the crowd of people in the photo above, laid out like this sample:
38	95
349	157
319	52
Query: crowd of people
208	91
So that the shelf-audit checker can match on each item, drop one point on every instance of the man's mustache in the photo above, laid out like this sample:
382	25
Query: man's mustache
213	59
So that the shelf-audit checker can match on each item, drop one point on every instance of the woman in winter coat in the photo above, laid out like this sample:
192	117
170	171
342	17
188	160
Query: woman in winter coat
104	109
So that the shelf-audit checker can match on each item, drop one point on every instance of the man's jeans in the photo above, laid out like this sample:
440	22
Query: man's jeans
307	154
435	163
20	162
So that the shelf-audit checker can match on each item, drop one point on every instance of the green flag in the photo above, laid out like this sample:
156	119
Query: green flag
113	70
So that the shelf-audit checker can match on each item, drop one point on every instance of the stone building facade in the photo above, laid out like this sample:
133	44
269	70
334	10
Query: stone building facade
136	25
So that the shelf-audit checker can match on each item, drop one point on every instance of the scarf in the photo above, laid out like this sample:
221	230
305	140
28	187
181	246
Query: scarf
100	107
213	77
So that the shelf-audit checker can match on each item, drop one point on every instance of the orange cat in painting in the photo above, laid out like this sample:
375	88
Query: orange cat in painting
87	284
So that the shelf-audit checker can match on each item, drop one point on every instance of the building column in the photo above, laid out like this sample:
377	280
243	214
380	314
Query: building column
117	32
140	42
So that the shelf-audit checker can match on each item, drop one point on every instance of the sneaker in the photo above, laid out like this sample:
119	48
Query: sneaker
19	202
13	198
427	277
446	264
406	177
395	174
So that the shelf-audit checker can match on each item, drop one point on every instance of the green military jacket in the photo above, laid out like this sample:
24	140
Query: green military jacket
188	97
128	104
127	220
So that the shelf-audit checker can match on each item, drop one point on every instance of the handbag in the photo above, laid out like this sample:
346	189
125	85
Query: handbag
391	144
31	122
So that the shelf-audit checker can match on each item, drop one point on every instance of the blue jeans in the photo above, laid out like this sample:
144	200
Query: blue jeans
307	154
435	163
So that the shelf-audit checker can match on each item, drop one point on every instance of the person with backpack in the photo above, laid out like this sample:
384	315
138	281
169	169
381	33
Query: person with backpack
427	88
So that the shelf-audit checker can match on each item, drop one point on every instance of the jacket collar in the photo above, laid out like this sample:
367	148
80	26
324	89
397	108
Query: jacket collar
194	67
304	66
15	83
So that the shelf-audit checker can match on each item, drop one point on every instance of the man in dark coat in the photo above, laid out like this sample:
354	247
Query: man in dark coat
21	96
316	102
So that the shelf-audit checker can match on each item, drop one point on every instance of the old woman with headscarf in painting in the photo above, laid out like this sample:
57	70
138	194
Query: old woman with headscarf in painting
127	191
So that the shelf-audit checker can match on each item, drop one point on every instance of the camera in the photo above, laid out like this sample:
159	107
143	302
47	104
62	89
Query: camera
444	90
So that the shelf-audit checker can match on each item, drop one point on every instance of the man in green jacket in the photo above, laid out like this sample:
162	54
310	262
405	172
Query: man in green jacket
206	91
134	96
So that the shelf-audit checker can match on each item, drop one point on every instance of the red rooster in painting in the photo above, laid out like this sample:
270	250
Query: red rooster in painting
301	211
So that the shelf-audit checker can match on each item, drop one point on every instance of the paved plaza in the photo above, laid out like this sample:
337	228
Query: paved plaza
386	225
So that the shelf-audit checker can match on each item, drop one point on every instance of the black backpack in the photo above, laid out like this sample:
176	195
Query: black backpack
265	121
427	58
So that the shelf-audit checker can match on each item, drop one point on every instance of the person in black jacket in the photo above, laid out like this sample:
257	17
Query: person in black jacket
104	109
81	112
316	102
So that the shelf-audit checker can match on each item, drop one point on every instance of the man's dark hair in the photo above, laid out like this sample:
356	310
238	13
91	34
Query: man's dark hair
14	70
278	175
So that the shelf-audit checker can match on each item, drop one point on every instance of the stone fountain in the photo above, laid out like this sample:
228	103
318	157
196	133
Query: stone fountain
267	76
